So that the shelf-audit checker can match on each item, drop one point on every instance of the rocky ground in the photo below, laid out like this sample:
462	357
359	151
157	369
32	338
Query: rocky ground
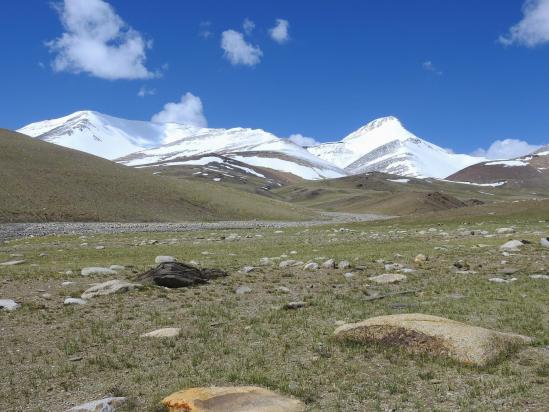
271	321
18	230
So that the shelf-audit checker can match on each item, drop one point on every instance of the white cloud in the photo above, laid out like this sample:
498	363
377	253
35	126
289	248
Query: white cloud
205	31
238	51
506	149
188	110
145	91
98	42
301	140
430	67
248	26
279	32
533	29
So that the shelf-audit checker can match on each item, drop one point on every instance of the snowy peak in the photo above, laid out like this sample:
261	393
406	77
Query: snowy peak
140	143
384	145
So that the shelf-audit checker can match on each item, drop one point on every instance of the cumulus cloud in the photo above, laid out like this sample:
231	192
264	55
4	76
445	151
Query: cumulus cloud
238	51
188	110
145	91
506	149
533	29
301	140
98	42
248	26
279	33
430	67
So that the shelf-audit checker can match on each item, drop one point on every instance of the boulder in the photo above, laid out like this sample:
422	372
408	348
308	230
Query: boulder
435	336
311	266
344	264
74	301
9	304
162	333
233	399
108	288
164	259
388	278
97	271
179	275
102	405
512	246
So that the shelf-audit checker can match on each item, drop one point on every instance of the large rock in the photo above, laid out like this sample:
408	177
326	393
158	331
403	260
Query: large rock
512	246
388	278
9	304
231	399
179	275
434	335
110	287
102	405
97	271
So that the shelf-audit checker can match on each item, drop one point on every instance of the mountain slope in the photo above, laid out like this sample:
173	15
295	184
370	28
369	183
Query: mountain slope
137	143
46	182
527	171
384	145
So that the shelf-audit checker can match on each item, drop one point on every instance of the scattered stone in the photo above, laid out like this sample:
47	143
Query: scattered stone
295	305
348	275
68	272
162	333
179	275
9	304
282	289
12	262
461	264
344	264
233	399
100	247
164	259
544	277
109	287
67	283
434	335
544	241
117	267
97	271
512	246
43	255
311	266
329	264
456	295
241	290
505	231
508	271
247	269
265	261
46	296
102	405
286	263
74	301
75	359
501	280
388	278
420	258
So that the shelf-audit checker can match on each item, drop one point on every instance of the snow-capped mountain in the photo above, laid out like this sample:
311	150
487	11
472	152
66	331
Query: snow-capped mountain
384	145
139	143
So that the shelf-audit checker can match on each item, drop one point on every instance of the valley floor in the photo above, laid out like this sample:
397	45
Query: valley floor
57	356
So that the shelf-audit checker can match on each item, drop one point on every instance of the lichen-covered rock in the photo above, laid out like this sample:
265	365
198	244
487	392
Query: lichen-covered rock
434	335
231	399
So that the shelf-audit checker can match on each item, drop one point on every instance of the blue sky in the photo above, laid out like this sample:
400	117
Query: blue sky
460	73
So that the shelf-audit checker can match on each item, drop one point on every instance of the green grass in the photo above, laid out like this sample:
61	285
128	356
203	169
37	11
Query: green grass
230	339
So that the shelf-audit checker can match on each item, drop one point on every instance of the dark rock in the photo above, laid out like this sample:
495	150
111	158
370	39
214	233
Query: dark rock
180	275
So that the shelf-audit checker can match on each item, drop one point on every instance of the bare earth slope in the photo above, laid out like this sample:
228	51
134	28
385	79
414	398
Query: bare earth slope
45	182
